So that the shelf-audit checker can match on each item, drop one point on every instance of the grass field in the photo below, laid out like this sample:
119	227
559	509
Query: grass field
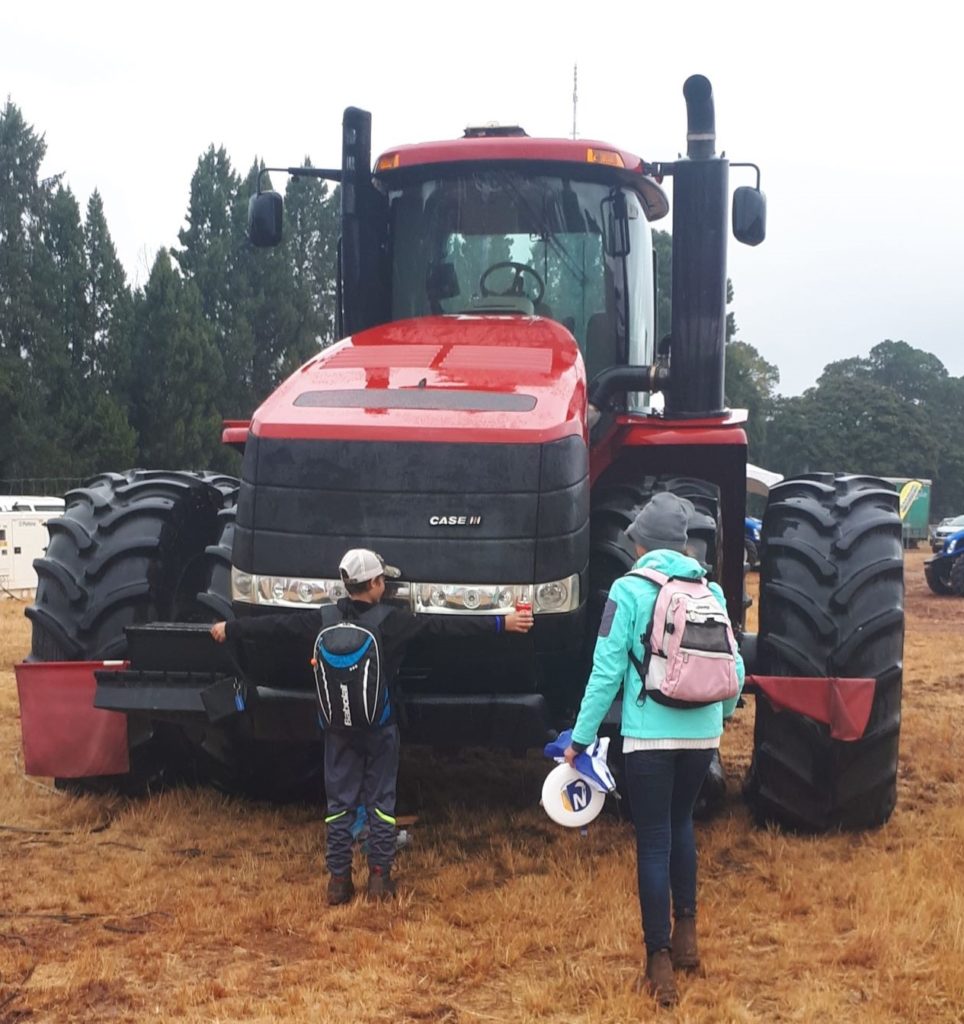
192	907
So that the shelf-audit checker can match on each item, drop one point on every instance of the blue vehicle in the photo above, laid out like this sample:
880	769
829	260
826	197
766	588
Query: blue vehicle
751	541
945	571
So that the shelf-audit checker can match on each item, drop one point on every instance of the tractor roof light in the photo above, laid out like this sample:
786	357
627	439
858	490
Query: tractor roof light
607	157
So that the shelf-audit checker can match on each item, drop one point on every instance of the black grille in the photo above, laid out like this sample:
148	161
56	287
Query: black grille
303	503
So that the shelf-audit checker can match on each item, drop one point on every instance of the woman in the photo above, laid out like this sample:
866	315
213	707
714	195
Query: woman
667	750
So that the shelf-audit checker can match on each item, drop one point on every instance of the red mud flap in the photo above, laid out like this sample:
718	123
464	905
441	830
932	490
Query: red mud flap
842	704
63	734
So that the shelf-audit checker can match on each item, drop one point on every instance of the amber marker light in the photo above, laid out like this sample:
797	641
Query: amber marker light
608	157
388	162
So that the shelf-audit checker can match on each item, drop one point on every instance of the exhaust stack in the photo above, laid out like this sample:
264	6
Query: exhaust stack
700	191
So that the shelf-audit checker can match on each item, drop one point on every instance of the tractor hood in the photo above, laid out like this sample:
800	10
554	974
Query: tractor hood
483	378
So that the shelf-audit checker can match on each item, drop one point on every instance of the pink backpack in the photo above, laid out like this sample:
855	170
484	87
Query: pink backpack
688	647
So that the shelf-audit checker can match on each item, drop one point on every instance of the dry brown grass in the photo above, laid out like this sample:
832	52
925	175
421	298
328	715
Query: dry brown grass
191	907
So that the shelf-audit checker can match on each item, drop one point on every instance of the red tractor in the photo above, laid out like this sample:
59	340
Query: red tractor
490	423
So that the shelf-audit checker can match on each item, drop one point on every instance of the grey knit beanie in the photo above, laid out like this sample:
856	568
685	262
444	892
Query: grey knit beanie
661	523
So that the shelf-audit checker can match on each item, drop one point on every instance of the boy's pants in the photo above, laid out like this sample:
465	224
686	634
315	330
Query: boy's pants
361	767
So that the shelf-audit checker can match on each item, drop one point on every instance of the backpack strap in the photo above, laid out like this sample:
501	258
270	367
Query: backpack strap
642	667
657	577
330	615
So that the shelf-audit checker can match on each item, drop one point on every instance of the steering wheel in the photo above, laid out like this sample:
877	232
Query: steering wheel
517	286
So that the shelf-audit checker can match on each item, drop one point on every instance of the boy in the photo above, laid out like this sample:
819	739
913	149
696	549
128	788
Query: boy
361	763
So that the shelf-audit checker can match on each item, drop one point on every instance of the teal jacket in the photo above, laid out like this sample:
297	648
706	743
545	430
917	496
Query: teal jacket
625	619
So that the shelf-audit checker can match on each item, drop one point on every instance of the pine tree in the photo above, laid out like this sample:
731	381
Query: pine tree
24	273
209	259
311	244
109	305
179	374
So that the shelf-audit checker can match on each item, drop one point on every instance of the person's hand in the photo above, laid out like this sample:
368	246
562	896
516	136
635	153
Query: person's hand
518	622
570	755
218	631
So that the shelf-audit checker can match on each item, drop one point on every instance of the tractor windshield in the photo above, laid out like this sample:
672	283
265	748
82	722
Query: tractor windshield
502	241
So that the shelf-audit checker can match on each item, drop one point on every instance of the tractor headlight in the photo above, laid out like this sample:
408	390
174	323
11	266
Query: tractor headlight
425	598
469	598
284	591
242	583
496	598
554	597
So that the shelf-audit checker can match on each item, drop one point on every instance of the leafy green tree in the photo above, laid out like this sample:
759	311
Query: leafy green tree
912	374
751	384
851	424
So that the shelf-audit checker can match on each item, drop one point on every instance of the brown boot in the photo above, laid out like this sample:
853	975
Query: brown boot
380	884
685	954
659	978
340	889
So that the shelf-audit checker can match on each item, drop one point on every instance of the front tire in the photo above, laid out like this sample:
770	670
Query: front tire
938	581
957	576
128	550
831	604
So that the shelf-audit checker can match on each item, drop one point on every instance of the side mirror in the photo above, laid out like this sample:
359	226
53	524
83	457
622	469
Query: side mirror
749	215
616	224
265	217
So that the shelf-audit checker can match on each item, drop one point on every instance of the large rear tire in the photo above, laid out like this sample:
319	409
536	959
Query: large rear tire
128	550
831	604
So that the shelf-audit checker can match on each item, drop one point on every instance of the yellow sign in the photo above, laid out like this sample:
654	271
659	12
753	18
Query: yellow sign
908	495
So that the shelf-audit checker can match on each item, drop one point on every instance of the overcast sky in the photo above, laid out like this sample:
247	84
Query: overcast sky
852	111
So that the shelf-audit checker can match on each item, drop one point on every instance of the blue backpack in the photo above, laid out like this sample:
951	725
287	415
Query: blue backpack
349	667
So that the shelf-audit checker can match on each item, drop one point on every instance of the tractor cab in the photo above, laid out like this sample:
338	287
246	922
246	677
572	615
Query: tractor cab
497	223
517	237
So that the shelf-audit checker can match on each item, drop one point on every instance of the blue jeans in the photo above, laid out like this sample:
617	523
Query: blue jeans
663	786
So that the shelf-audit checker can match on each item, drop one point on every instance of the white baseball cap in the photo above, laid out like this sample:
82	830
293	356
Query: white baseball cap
360	565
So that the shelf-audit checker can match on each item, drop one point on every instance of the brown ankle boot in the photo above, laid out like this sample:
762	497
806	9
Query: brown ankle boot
659	978
685	954
381	885
340	889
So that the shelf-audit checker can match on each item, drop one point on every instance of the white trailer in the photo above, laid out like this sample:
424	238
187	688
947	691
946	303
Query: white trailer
23	537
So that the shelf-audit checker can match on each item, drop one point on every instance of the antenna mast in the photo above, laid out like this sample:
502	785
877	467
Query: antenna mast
575	96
